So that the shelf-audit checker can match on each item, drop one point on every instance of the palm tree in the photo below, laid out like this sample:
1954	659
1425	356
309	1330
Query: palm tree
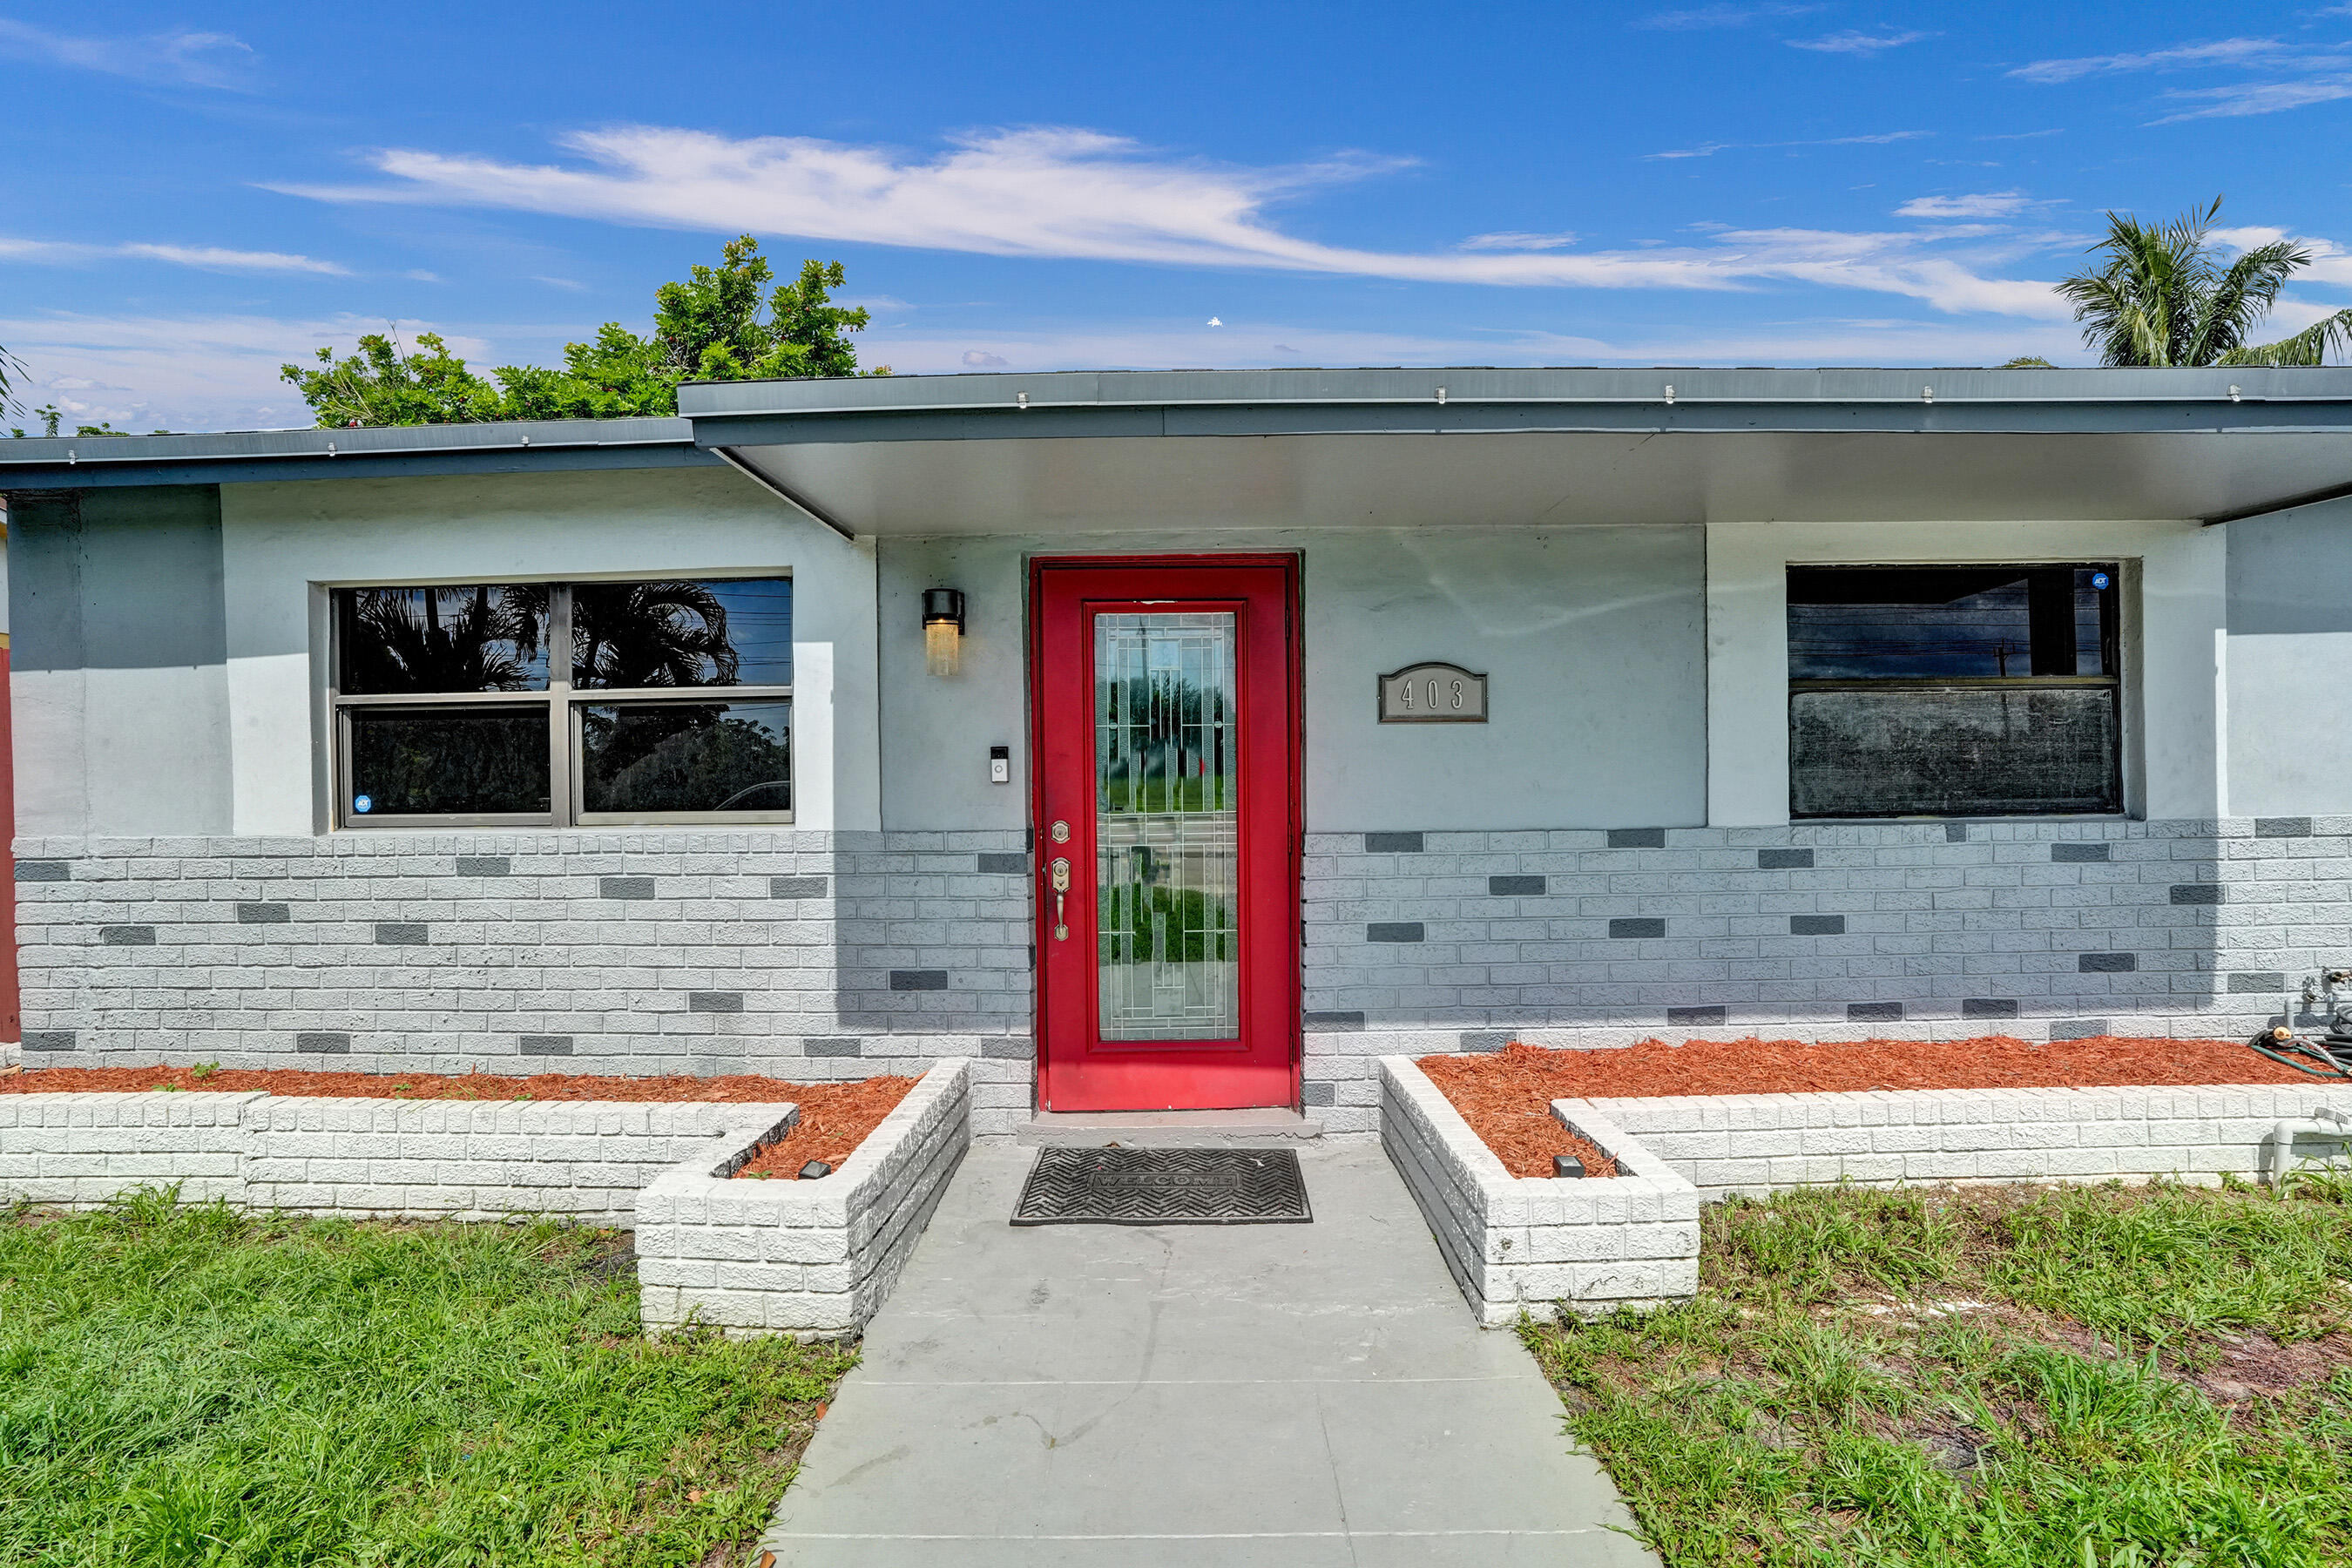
2162	298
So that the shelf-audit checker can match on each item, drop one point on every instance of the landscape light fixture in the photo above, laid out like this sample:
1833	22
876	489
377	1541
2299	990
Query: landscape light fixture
943	630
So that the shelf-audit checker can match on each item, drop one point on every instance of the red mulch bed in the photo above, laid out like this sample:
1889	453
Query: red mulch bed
834	1116
1505	1096
834	1120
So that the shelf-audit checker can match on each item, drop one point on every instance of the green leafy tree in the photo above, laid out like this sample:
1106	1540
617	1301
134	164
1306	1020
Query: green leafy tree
723	323
379	383
2162	296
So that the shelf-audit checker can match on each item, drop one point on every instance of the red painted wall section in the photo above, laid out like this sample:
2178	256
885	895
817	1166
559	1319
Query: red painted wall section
10	1029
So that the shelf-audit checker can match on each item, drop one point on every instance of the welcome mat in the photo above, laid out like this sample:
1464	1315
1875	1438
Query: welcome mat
1163	1186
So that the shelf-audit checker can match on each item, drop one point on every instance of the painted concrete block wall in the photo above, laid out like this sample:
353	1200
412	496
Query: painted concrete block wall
79	1150
794	952
363	1158
1756	1143
1454	941
1593	639
812	1258
2289	662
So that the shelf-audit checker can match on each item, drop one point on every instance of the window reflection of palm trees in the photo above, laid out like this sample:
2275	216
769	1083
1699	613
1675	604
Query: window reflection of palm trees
650	634
479	638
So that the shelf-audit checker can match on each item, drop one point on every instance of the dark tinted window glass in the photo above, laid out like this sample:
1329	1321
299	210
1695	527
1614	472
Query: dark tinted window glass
483	638
681	633
1876	622
444	761
686	756
1961	750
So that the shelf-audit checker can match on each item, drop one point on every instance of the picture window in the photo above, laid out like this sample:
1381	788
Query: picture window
453	705
1976	691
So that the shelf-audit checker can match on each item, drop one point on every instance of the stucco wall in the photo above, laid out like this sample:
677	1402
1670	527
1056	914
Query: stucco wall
2289	662
1593	637
278	540
121	710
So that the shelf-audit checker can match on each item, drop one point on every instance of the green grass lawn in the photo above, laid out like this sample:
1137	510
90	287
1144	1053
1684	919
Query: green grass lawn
2106	1377
185	1386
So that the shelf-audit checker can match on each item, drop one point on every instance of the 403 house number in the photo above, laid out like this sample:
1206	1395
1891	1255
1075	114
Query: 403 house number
1434	694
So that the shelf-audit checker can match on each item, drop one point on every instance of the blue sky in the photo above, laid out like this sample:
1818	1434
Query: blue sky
195	195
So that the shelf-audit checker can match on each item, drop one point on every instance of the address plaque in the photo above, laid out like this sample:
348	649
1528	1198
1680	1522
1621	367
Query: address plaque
1434	694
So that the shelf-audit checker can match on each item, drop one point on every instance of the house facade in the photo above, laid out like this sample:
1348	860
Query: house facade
1188	739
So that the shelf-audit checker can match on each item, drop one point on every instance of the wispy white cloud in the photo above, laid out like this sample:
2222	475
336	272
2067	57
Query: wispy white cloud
2294	75
179	58
1510	239
2225	51
2255	98
208	258
1709	149
1990	204
1851	42
217	372
1082	195
1825	341
1706	18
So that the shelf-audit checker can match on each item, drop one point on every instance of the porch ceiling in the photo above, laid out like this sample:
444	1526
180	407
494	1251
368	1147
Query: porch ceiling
1455	477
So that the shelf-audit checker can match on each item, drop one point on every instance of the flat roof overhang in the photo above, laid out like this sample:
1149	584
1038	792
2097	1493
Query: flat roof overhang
241	456
1074	451
1087	451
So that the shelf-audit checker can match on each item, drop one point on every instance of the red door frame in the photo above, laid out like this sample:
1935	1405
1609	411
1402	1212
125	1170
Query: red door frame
1262	1068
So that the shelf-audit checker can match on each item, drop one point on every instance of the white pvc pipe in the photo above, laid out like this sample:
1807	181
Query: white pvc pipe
2279	1158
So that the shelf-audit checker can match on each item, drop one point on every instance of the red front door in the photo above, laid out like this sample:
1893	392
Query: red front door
1165	702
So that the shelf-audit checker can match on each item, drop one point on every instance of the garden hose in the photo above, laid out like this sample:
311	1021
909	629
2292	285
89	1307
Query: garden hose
2276	1042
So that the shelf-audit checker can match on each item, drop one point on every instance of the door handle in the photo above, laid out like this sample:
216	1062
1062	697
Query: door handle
1061	885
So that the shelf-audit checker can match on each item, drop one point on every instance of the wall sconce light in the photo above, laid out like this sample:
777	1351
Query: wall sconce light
943	630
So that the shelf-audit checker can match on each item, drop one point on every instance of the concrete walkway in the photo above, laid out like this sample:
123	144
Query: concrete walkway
1245	1396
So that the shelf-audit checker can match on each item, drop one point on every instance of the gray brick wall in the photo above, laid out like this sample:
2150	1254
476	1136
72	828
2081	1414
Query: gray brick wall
825	956
2181	927
785	951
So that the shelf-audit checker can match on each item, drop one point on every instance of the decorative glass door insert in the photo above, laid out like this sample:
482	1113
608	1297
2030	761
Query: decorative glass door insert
1167	799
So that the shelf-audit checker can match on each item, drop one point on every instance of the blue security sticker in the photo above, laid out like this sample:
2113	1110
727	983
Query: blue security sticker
2100	580
362	804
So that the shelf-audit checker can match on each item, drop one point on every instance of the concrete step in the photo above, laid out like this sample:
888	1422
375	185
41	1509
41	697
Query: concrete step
1167	1129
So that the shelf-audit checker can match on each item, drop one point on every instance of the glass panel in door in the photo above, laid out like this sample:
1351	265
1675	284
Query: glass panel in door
1166	878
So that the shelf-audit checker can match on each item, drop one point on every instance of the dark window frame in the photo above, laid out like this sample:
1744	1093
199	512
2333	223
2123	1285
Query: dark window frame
559	701
2110	678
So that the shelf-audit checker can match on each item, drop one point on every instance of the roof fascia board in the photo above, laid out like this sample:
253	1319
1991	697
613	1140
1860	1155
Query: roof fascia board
105	475
1001	422
1200	388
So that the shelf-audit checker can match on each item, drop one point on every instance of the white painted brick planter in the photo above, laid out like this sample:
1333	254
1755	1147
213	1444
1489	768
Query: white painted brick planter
407	1159
1756	1144
1537	1244
806	1257
810	1259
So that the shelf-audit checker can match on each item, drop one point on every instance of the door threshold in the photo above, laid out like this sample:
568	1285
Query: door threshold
1272	1127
